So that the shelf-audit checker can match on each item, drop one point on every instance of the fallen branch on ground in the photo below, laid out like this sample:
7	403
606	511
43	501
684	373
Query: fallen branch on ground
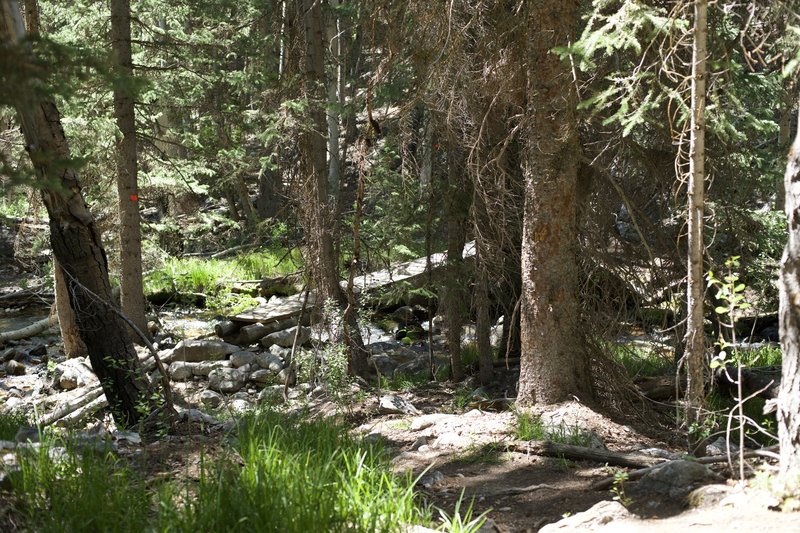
28	331
637	474
582	453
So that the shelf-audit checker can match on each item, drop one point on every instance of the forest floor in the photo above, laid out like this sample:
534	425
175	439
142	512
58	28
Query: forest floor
473	455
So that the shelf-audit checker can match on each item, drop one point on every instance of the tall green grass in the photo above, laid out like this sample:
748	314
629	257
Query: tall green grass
192	274
288	474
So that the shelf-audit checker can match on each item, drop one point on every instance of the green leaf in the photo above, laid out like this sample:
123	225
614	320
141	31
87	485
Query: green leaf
721	310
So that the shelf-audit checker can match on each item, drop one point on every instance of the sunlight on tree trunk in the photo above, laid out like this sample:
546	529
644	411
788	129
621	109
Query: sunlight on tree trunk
789	396
695	333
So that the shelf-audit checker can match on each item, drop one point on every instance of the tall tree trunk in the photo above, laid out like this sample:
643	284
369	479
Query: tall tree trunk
789	396
695	334
554	361
130	233
455	295
76	244
332	109
316	211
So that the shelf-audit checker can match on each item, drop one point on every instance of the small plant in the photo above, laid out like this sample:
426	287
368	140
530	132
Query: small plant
462	522
530	426
462	397
10	424
618	489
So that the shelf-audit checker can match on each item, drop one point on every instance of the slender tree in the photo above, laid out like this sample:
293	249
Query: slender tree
130	233
695	333
554	364
75	241
316	209
789	396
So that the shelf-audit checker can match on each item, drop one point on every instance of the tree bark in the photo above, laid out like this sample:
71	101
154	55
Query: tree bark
789	395
77	246
332	109
455	295
554	361
70	335
316	210
130	233
695	334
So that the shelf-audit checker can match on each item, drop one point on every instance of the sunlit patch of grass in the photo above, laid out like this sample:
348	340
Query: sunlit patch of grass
767	355
531	427
214	277
289	463
290	475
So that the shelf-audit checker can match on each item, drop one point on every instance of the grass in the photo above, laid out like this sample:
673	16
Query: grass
531	427
212	277
404	382
641	360
293	475
10	423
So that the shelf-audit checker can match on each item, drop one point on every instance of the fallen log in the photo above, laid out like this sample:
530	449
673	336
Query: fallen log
70	407
581	453
28	331
79	414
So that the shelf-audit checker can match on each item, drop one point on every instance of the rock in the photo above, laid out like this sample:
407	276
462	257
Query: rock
426	421
287	375
74	373
405	315
204	368
430	479
262	376
240	406
593	518
391	403
676	478
269	361
181	371
720	447
286	337
199	417
226	380
385	364
281	352
15	368
453	440
210	398
241	358
197	350
27	434
272	394
415	366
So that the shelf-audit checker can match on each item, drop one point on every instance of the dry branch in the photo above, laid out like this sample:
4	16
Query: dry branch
582	453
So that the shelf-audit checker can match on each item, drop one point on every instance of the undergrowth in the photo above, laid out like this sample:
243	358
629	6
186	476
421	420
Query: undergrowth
213	277
531	427
284	474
